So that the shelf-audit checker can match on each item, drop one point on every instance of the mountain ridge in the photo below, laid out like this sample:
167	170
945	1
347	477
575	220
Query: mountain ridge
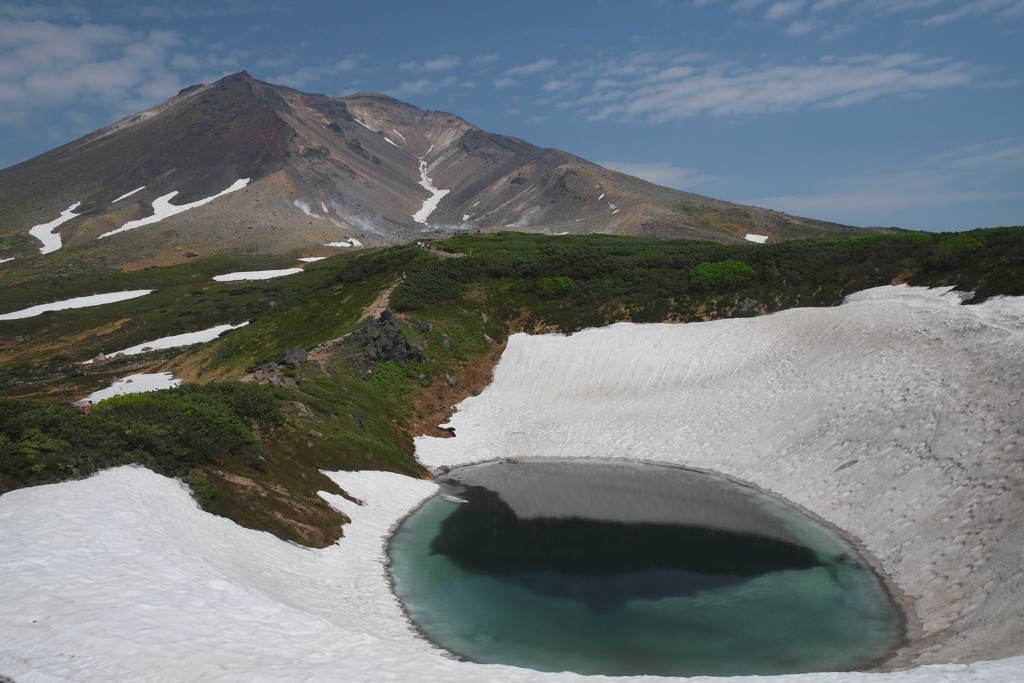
325	170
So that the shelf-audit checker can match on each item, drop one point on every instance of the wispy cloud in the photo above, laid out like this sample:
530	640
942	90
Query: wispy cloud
661	173
963	175
45	64
445	63
783	9
539	66
308	75
729	88
422	86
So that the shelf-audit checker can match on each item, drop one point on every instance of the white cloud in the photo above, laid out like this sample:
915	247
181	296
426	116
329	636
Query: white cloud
536	67
1006	9
559	86
421	86
444	63
800	28
661	173
45	64
505	82
728	89
783	9
483	60
310	75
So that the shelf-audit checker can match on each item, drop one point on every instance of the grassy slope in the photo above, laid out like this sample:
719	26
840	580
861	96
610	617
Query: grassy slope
459	303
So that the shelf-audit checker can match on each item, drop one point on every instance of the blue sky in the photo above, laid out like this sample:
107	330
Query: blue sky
866	112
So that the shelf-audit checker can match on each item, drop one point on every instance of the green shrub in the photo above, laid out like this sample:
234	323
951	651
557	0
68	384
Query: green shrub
955	251
721	274
555	287
172	432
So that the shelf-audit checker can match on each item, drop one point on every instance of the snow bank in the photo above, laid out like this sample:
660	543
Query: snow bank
162	208
256	275
78	302
135	384
311	259
121	578
760	239
896	416
5	260
176	340
44	232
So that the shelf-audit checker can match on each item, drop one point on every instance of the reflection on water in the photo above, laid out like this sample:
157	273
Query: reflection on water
602	562
623	568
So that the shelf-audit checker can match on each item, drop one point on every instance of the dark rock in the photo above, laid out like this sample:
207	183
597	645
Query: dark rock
295	357
747	305
190	254
452	380
387	315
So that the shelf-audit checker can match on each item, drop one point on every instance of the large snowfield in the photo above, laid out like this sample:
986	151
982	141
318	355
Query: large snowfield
896	417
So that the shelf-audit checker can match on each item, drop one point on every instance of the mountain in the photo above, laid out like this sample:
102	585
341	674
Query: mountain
299	171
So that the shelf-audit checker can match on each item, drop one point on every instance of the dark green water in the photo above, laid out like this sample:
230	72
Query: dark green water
607	567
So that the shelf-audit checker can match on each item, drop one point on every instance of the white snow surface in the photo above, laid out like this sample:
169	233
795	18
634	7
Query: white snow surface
256	274
128	194
350	242
135	384
760	239
77	302
435	195
121	577
5	260
162	208
175	341
44	232
312	259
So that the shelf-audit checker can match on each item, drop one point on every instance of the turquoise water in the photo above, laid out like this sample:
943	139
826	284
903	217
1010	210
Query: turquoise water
606	567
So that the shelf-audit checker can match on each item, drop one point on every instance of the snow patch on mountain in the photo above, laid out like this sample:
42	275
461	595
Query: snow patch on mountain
162	208
435	194
134	384
760	239
256	275
77	302
175	341
45	231
350	242
128	194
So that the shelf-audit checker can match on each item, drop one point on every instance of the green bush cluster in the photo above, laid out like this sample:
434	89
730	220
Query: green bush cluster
172	432
721	274
555	287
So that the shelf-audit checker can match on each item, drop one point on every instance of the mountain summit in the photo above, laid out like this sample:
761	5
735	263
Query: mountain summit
248	166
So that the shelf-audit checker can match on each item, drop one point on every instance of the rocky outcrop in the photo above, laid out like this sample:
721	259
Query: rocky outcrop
385	338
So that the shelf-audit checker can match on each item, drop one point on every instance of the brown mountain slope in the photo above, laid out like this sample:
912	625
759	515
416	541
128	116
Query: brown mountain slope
325	170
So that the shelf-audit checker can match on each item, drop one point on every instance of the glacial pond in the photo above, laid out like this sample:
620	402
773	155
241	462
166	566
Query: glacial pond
622	568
